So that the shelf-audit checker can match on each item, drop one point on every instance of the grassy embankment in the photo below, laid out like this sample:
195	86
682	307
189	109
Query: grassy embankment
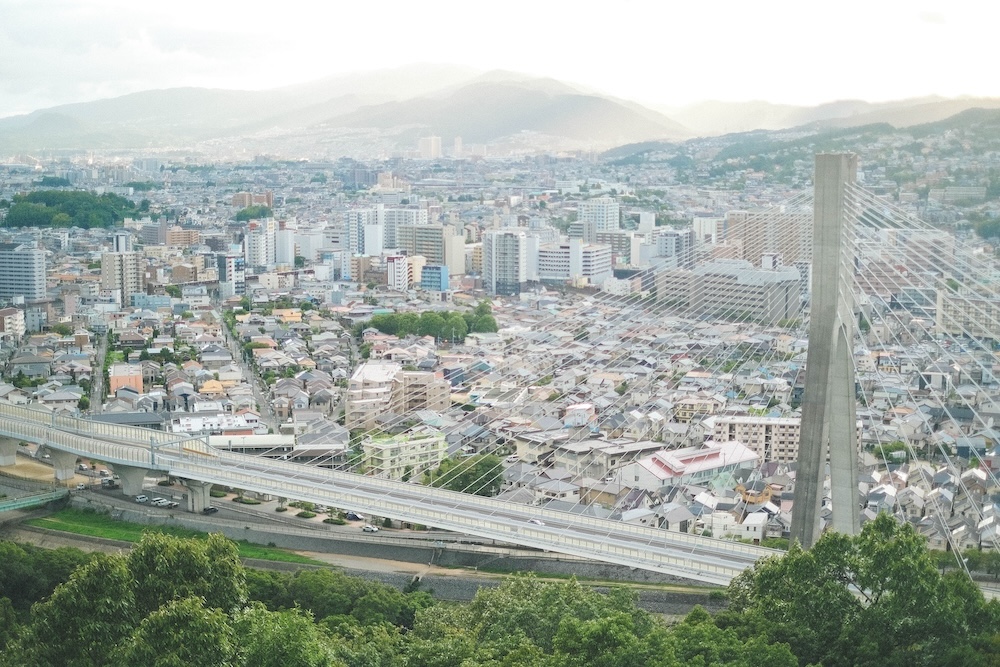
93	524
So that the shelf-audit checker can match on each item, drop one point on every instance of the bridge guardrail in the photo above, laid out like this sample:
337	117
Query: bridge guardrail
581	545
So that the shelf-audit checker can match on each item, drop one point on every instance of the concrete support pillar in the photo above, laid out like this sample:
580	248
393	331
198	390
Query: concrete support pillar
63	464
829	414
132	478
198	496
8	451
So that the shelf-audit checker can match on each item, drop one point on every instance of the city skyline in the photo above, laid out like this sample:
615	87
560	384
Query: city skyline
658	55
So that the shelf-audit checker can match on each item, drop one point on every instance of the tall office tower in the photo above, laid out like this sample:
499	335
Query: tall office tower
284	247
677	244
602	212
398	275
356	221
232	275
260	243
504	262
710	230
121	242
394	217
123	272
22	271
429	147
440	244
786	233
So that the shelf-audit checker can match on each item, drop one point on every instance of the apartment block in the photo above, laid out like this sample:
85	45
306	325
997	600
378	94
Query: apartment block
22	271
405	455
380	388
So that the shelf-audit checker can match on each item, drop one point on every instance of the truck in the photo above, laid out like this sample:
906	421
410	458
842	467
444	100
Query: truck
110	484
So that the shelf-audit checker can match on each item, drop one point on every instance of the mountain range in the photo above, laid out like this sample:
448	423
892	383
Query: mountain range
395	107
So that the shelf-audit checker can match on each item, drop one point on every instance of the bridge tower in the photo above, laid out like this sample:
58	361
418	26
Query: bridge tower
829	411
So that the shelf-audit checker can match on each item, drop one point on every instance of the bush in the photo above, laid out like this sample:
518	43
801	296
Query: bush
280	509
215	493
306	514
164	482
246	501
337	521
387	523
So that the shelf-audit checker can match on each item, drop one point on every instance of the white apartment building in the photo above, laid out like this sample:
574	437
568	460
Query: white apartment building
405	455
603	212
22	271
398	274
505	266
12	326
260	243
395	217
574	260
379	388
770	438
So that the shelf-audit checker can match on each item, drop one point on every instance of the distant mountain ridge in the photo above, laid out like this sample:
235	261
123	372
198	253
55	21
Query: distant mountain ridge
390	109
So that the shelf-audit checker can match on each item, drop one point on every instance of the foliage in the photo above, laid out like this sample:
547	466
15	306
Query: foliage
446	325
62	329
53	182
254	213
67	208
173	291
873	599
481	475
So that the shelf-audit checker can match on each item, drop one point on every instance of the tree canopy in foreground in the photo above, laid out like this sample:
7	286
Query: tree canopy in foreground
874	599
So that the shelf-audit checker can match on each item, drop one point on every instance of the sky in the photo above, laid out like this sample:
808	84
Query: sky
662	52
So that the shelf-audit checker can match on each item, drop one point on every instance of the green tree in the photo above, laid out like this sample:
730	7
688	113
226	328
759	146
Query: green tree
83	403
481	475
62	329
254	213
167	567
80	624
300	262
173	291
183	633
873	599
280	639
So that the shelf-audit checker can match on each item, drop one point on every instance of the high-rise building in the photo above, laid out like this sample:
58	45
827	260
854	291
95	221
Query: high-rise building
232	275
357	222
601	212
786	233
440	244
22	271
379	388
394	217
398	272
434	278
429	147
574	260
677	244
260	244
124	273
735	289
504	262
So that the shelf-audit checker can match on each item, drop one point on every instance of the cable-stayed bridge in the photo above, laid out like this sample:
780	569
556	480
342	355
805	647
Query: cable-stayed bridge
920	291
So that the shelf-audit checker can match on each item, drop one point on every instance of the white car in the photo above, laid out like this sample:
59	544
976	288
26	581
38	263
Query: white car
160	502
536	522
368	528
141	499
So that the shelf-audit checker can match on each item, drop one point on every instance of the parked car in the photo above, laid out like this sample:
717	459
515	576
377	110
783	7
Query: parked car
354	516
141	499
512	458
368	528
81	486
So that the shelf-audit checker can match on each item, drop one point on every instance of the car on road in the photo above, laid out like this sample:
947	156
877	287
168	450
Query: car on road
512	458
141	499
81	486
159	502
368	528
536	522
104	473
210	510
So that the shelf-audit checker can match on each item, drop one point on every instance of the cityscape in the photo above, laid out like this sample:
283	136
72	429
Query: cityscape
433	317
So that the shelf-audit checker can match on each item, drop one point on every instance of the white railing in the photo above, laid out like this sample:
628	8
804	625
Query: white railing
692	556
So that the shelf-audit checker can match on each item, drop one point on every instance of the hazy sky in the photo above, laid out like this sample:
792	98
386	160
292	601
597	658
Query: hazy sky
655	52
